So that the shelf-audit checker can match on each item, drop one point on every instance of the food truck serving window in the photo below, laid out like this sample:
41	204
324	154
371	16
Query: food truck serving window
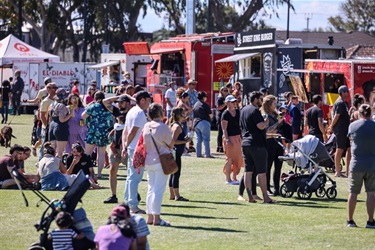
249	67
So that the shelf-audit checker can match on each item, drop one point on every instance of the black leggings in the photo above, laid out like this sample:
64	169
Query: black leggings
274	151
174	179
253	184
219	134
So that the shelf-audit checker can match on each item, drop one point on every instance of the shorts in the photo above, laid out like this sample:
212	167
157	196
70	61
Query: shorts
39	132
255	159
118	159
296	130
58	132
342	141
357	178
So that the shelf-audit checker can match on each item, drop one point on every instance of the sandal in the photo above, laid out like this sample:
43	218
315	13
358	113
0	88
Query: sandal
252	201
163	223
182	199
270	202
34	152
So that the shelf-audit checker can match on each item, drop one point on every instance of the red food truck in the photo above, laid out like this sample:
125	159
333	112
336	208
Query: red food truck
193	56
328	75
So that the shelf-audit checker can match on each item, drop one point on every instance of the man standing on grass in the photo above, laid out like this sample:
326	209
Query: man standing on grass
339	126
170	98
17	89
253	127
135	121
314	119
362	164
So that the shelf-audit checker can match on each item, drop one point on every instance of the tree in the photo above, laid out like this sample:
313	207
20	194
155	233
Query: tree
357	15
225	15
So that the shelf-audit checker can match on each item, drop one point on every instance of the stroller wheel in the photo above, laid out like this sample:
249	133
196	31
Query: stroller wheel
320	192
304	191
331	193
284	191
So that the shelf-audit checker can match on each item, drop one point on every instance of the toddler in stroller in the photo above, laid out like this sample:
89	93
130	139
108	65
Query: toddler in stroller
306	153
67	204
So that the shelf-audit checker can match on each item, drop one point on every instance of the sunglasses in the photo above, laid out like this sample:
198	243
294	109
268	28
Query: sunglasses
225	90
52	88
74	99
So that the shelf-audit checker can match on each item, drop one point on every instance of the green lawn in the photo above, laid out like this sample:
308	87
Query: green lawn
213	219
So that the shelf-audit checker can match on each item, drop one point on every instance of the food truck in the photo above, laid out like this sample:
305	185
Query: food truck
325	76
193	56
113	66
262	61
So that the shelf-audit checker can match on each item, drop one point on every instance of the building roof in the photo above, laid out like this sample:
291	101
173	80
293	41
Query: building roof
344	39
361	52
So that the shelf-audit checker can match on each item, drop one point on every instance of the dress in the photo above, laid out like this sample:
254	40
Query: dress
77	132
99	124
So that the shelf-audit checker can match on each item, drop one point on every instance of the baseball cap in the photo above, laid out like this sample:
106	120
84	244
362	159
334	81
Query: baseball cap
283	107
230	98
119	211
263	90
123	98
191	81
142	94
127	73
342	89
47	80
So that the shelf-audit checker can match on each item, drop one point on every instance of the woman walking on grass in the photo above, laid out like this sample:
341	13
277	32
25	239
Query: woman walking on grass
179	140
230	123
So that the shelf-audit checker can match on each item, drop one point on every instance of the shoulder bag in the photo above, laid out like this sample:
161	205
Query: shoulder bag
167	161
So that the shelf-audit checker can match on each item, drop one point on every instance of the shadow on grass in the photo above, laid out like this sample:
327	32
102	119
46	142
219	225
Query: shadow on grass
200	216
182	206
302	203
217	229
220	203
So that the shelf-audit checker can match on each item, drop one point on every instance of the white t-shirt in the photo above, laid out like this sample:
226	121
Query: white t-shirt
171	95
135	117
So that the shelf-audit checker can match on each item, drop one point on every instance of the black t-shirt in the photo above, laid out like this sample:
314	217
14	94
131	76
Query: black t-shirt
84	163
5	94
233	127
251	134
201	111
342	125
219	113
313	114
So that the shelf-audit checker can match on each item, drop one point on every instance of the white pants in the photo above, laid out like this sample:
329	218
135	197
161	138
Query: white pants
157	182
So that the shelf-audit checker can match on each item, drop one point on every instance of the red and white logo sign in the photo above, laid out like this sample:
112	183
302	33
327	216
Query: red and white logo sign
21	47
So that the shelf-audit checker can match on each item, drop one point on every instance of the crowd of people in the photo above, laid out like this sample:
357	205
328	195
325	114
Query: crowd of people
83	128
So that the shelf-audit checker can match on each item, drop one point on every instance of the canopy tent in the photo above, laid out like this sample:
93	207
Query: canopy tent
14	50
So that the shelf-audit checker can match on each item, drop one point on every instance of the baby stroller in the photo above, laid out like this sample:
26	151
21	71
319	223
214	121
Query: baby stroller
306	153
330	145
68	203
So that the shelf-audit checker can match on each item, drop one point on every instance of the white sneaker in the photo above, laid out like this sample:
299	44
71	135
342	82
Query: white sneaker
186	154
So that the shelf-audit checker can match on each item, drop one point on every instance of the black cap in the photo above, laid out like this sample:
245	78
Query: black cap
123	98
142	94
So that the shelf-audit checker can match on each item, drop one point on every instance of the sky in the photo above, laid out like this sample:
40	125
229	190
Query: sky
317	11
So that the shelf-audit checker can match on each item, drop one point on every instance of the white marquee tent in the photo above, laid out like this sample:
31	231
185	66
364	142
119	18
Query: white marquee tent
14	50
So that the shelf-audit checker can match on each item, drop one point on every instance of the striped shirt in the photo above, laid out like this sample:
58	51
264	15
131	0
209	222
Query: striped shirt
62	239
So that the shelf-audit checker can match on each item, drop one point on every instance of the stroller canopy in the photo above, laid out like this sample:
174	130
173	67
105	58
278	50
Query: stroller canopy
309	149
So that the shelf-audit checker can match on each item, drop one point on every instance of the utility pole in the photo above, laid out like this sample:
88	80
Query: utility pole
287	25
20	19
308	17
84	47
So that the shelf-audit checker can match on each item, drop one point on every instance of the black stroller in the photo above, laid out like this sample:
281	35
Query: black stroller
68	203
306	153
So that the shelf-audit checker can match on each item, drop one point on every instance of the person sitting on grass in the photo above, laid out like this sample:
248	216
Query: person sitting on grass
78	160
119	233
7	164
62	238
50	170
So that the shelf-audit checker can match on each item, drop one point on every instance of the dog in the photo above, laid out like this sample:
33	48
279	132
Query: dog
6	134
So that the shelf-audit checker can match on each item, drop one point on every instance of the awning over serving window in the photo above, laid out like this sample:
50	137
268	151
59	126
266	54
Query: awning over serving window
102	65
136	48
165	50
236	57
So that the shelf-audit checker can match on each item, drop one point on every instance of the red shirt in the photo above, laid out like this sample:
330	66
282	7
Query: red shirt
75	90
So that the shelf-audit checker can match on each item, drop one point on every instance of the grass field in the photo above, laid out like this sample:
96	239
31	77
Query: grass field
213	219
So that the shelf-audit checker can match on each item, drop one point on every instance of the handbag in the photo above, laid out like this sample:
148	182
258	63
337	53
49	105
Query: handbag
167	161
139	156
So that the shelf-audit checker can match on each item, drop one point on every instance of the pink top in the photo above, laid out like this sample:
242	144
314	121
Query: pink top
162	136
89	99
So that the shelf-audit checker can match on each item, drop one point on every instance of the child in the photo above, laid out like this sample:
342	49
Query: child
287	127
116	143
62	238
